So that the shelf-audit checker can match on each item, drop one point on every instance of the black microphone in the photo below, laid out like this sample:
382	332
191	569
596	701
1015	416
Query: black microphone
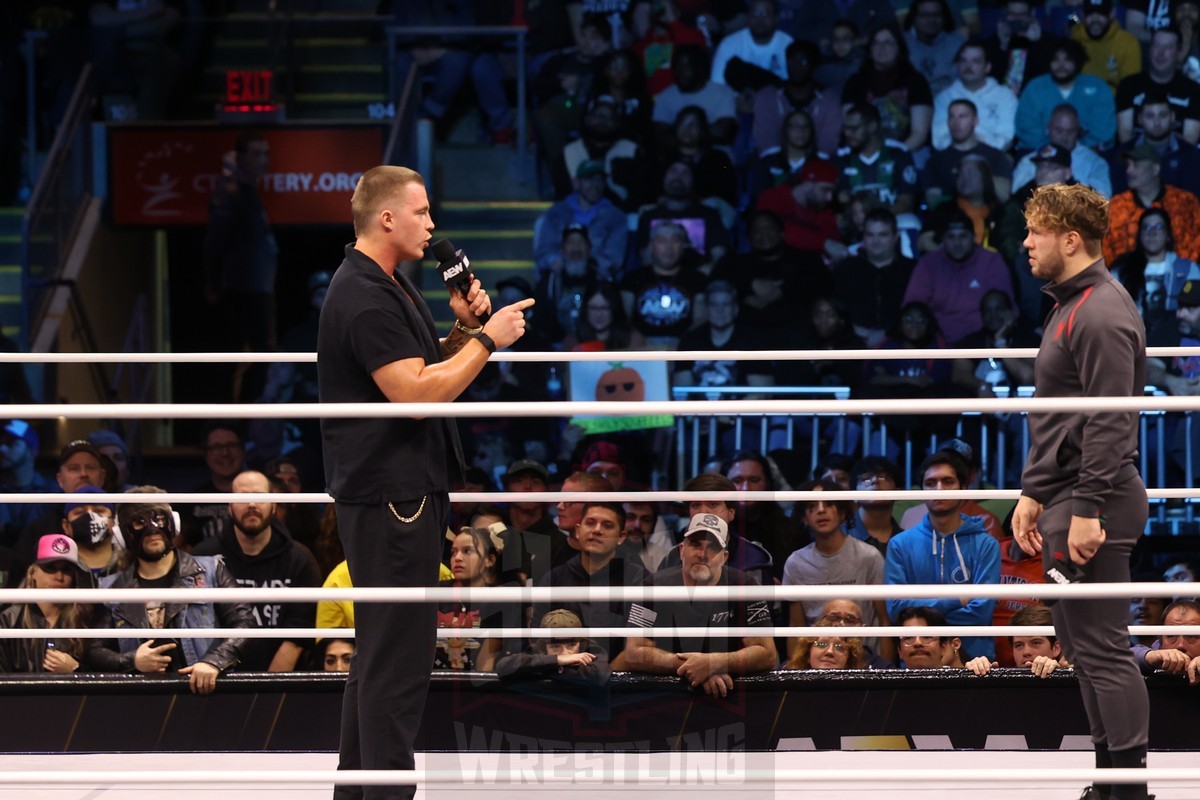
456	270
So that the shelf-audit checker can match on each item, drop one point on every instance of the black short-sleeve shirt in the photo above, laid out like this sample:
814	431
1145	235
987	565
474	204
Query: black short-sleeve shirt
1182	94
368	321
714	615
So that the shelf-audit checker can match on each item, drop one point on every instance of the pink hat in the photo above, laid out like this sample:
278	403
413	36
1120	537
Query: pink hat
57	547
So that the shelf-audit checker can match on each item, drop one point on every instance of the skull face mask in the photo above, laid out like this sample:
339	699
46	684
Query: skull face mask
91	528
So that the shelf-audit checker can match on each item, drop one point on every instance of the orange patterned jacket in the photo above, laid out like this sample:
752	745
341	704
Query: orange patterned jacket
1125	212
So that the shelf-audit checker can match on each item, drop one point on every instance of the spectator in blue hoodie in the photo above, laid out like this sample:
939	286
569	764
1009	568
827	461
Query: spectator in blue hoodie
946	547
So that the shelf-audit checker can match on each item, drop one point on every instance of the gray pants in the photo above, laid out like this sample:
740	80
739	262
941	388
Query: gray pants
1094	633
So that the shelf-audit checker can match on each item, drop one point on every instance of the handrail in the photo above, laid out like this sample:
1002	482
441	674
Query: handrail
58	147
41	200
394	131
394	32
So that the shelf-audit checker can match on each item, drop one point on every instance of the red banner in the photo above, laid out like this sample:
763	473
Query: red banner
164	176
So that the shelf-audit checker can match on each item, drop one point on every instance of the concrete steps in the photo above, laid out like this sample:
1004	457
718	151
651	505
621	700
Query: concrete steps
339	59
10	271
497	235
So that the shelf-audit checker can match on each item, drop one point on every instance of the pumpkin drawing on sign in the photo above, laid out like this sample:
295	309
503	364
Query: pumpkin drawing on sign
621	383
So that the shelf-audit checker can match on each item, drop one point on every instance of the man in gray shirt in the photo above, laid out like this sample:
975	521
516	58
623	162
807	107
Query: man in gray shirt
833	558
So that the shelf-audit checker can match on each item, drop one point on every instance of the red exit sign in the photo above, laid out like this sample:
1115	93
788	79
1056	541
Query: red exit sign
248	86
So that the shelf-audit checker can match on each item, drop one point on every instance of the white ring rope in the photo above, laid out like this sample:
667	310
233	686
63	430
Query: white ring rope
920	354
610	408
543	595
703	776
104	498
598	631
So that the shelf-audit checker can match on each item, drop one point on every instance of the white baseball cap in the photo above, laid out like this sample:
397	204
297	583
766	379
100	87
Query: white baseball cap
712	525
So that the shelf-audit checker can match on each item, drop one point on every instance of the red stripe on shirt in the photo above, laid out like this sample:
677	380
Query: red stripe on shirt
1071	319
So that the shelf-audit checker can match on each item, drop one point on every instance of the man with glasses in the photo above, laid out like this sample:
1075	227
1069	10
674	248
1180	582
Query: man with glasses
708	661
1176	654
149	530
843	612
875	521
225	456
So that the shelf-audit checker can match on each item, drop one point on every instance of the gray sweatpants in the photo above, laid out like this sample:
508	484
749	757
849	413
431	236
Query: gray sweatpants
1094	633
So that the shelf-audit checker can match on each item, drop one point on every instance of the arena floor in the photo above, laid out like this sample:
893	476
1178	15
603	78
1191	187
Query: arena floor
588	788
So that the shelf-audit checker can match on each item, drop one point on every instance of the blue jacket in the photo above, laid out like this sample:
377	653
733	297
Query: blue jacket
1090	96
969	555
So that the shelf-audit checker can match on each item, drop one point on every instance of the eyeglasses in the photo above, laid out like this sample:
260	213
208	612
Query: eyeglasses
55	567
874	480
837	646
1173	640
843	619
916	319
156	518
224	447
1154	227
918	639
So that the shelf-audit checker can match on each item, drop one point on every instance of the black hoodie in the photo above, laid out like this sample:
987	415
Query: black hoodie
282	563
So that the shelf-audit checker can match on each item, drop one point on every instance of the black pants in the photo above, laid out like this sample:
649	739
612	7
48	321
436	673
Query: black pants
1094	633
389	674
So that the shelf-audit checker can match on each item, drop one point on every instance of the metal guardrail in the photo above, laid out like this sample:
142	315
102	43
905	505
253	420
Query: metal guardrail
872	435
59	197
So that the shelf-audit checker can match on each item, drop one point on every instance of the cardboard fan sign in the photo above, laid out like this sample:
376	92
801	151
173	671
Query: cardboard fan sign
615	382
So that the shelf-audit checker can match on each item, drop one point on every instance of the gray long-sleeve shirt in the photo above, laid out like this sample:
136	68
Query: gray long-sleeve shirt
1094	345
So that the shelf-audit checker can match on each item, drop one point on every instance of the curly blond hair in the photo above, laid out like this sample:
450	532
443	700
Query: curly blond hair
1059	208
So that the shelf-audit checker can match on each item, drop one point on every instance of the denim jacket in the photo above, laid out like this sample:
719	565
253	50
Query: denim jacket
191	572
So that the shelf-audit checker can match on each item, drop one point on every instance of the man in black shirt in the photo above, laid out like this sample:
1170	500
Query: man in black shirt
1161	75
724	332
871	283
712	660
599	562
259	553
390	475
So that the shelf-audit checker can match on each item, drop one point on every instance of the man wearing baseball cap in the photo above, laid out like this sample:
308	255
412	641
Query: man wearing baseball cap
1113	53
709	661
79	464
89	523
1143	171
805	207
588	206
575	659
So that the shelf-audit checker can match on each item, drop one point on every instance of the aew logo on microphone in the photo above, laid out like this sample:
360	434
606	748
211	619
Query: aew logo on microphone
458	268
1056	576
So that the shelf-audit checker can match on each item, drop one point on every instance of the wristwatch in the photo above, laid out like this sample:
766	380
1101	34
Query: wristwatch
486	341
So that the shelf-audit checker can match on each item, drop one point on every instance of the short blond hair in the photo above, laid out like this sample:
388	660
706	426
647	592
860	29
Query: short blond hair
1060	208
377	186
